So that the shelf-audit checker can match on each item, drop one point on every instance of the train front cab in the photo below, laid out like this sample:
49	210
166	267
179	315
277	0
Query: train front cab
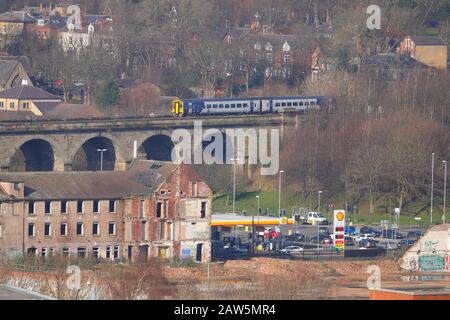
177	108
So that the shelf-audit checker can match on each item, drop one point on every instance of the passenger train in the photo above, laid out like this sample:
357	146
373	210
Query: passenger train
245	105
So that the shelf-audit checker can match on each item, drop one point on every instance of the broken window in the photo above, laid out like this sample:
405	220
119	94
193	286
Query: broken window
108	252
80	228
63	206
112	228
31	230
63	229
81	252
66	252
80	207
158	209
203	210
47	229
95	252
116	252
48	207
95	206
95	229
112	206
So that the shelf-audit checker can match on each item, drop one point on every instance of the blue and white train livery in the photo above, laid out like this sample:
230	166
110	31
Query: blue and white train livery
253	105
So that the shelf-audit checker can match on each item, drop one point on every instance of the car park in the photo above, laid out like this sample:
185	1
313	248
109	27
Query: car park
370	230
366	244
366	236
322	237
407	242
388	245
392	234
414	234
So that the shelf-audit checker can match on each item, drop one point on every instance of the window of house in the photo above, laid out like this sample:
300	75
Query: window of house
47	229
95	252
63	206
80	206
193	188
63	229
81	251
31	230
108	252
142	209
31	207
158	209
26	105
203	210
144	231
112	228
12	105
48	207
16	186
95	229
1	104
287	58
44	252
80	228
66	252
95	206
161	230
116	252
112	206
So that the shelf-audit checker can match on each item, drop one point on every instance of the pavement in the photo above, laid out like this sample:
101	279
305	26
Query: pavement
13	293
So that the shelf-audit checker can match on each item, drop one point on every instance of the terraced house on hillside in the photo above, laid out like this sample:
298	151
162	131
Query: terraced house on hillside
157	209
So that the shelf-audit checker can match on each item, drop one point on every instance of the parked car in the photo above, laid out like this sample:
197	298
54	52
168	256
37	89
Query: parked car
392	234
366	244
296	237
370	230
348	241
321	238
292	249
407	242
315	218
350	230
388	245
365	236
233	251
414	234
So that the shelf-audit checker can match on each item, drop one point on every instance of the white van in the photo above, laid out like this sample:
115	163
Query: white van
315	218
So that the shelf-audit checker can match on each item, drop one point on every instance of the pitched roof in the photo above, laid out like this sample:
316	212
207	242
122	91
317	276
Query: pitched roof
393	61
141	179
16	16
424	40
6	115
27	92
6	69
22	59
65	111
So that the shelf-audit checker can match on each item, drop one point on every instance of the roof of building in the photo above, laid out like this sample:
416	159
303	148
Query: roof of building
141	179
16	16
6	115
393	61
22	59
27	92
6	69
425	40
65	111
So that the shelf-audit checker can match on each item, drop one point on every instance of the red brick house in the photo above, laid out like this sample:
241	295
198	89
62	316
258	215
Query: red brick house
152	209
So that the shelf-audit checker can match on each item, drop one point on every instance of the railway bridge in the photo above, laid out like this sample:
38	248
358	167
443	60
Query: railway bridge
76	145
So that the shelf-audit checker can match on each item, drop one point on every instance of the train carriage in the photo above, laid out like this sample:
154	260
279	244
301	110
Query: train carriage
253	105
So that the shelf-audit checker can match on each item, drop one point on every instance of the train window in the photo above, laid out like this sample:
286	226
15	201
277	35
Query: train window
215	106
313	103
289	104
233	105
245	105
300	103
239	105
283	104
227	106
295	103
221	106
307	103
277	104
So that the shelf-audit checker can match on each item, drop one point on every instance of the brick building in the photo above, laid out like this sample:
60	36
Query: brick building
152	209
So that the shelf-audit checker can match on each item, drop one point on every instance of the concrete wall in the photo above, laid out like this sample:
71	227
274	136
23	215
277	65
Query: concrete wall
430	253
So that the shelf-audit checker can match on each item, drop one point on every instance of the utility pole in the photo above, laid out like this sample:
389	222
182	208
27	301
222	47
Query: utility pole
432	187
445	191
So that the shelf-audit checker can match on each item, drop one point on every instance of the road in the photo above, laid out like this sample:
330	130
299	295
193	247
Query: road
11	293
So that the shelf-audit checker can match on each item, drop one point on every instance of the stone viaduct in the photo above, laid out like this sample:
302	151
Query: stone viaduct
65	145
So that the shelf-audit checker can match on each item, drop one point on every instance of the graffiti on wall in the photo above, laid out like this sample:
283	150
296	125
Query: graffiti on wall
431	263
447	262
431	245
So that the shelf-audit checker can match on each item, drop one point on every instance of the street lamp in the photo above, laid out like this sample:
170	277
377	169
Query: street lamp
432	187
445	190
258	197
279	192
234	183
101	157
317	221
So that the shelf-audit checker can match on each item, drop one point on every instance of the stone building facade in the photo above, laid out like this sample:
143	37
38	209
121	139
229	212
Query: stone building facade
152	209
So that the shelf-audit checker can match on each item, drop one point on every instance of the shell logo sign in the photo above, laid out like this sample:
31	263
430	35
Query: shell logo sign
283	220
339	229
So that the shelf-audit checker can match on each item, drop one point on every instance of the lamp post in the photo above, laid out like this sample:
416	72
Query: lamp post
259	208
279	192
317	221
432	187
234	183
101	157
445	191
